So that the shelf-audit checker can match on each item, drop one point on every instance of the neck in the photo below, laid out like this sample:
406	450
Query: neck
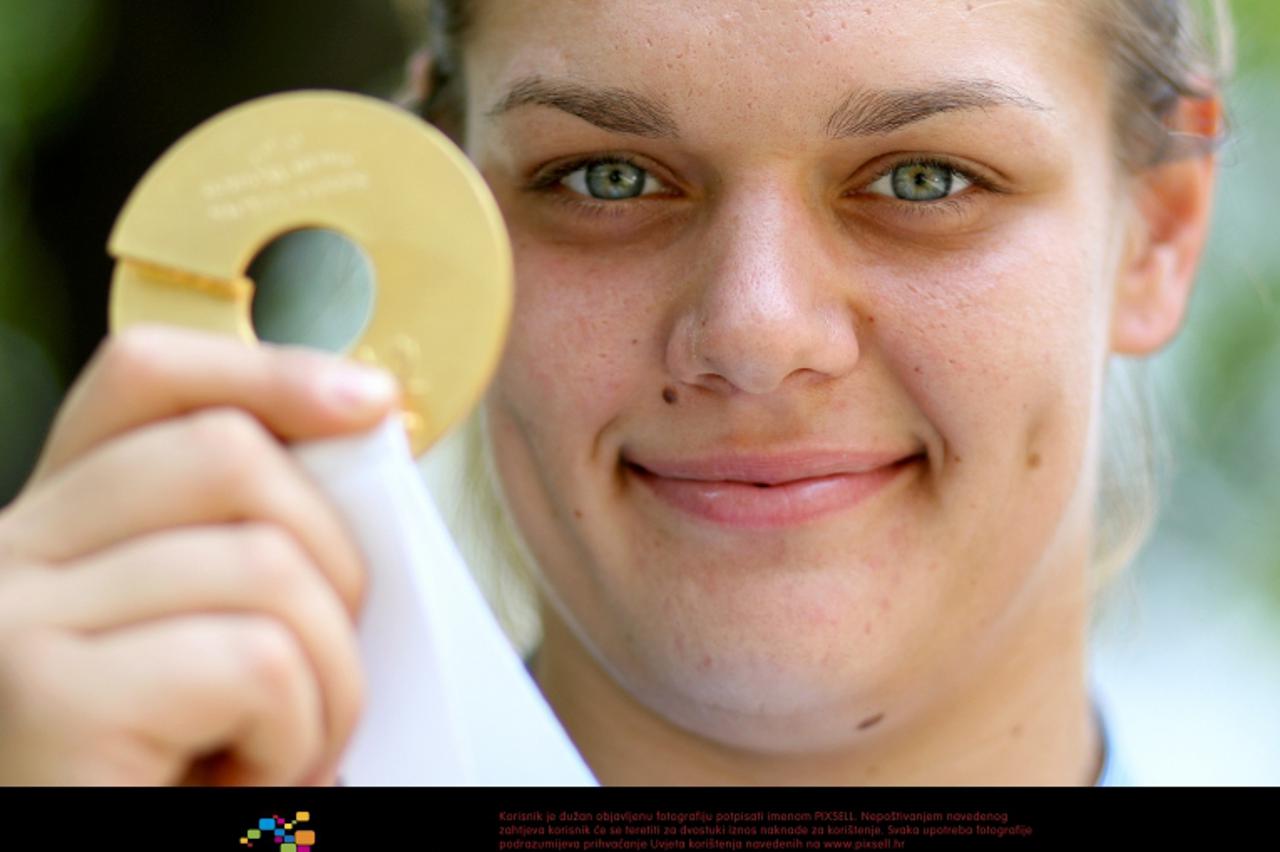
1023	718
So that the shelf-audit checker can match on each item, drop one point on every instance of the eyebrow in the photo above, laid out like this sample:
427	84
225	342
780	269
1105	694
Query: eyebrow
619	110
862	112
868	113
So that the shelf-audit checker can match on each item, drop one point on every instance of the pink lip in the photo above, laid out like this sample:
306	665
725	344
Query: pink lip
801	486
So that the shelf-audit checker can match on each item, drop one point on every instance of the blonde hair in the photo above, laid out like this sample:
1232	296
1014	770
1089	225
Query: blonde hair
1160	51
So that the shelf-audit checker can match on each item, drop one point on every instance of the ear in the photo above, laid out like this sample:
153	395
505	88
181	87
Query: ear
417	82
416	95
1170	205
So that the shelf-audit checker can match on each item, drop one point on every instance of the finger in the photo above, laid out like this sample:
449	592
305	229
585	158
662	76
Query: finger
152	372
242	567
214	466
251	694
139	705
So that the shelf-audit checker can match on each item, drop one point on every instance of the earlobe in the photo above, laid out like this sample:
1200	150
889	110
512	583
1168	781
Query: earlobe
1150	304
1170	203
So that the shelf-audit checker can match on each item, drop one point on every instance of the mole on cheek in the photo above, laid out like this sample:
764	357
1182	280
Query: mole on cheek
1033	460
669	395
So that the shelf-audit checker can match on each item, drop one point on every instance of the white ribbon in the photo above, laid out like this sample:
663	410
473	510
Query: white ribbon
448	700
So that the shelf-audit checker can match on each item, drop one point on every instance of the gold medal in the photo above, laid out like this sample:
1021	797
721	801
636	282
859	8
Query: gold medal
389	182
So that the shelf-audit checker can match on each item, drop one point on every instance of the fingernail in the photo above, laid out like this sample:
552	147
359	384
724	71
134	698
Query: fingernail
354	386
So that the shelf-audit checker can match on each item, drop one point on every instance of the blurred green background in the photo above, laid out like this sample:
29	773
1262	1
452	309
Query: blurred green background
1188	644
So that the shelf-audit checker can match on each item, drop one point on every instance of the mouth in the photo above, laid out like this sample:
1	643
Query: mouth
769	495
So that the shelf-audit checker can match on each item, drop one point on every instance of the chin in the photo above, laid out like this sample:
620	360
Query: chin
751	695
724	714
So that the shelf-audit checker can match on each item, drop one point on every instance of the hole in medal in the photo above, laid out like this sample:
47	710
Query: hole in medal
312	287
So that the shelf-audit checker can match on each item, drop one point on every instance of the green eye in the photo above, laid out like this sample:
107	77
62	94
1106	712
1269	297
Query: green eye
919	181
611	180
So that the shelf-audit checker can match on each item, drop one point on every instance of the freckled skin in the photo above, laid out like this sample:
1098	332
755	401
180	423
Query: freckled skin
774	291
985	334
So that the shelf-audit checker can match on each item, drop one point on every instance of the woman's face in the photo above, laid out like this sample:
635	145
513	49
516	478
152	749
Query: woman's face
768	241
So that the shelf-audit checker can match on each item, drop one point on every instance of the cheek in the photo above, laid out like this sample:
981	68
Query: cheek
999	348
569	347
1000	336
1001	351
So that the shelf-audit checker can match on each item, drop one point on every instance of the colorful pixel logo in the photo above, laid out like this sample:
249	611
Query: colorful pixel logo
275	833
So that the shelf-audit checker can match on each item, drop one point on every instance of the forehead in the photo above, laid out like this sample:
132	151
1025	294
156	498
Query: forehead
766	67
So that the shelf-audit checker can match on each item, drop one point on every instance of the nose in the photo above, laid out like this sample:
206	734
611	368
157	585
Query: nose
770	305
